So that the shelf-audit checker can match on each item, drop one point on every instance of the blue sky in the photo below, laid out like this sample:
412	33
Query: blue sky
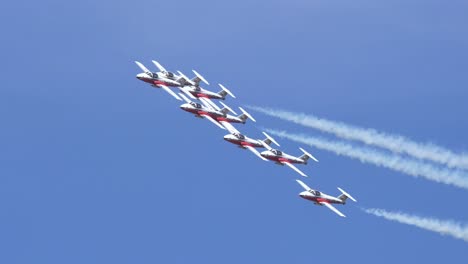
98	167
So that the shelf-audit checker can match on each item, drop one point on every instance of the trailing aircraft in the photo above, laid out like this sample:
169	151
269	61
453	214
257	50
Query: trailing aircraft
320	198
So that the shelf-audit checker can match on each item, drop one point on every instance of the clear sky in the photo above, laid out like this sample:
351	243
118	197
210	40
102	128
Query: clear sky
97	167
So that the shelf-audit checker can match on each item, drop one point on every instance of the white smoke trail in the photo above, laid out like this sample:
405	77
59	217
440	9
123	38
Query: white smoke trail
401	164
442	227
394	143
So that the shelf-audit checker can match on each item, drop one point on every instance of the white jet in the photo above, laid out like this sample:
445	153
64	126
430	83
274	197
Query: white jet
282	158
162	79
320	198
217	116
193	90
249	143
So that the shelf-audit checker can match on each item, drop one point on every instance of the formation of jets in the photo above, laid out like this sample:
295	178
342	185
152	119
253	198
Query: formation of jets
199	102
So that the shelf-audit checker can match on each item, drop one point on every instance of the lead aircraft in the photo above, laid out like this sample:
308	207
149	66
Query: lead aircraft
320	198
191	87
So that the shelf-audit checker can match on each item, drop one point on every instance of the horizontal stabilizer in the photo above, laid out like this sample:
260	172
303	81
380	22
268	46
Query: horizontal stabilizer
200	77
271	139
247	114
186	78
265	145
226	90
347	194
308	154
228	108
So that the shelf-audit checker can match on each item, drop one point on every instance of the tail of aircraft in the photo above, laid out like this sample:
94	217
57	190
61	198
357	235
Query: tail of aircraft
245	115
268	140
224	91
198	78
344	195
306	156
226	109
184	80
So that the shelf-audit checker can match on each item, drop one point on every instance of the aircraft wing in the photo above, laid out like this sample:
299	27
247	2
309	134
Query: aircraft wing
142	67
229	127
254	151
331	207
165	88
294	168
307	188
213	121
159	66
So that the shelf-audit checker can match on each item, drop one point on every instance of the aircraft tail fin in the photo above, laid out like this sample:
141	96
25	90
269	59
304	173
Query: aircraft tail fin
344	195
224	91
226	109
245	115
268	140
184	79
306	156
198	77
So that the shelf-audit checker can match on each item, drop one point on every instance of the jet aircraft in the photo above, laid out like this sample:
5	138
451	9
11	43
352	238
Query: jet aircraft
282	158
320	198
249	143
218	116
162	79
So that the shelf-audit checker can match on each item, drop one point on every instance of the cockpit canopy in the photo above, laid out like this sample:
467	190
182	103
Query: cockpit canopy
239	135
170	75
153	75
277	152
314	192
196	105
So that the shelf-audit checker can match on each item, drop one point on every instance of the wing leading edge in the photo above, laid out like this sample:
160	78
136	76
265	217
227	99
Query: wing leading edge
331	207
294	168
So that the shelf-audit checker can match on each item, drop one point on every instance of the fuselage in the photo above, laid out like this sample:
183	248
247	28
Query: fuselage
199	110
280	157
242	141
157	80
318	197
200	92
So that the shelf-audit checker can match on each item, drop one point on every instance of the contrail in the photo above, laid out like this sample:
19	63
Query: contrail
394	143
442	227
407	166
